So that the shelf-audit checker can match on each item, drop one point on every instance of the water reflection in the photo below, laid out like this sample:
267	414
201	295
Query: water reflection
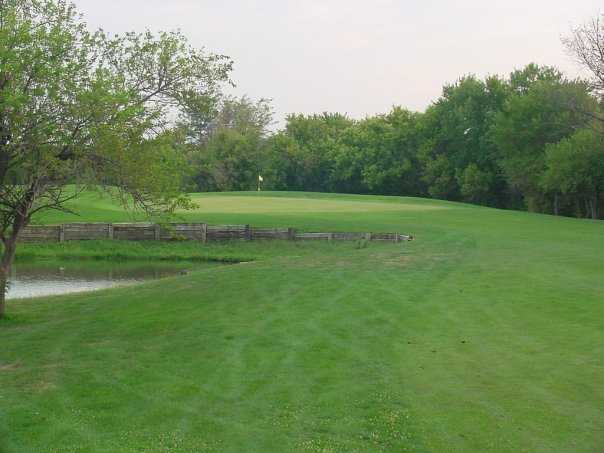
47	279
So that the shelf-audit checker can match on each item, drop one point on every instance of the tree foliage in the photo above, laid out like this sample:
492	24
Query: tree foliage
540	115
79	107
490	141
483	141
574	169
457	134
227	154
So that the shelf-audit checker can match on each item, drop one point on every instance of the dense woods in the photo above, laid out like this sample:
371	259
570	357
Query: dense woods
533	140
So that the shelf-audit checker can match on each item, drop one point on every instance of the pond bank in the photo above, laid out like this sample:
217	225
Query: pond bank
131	251
51	278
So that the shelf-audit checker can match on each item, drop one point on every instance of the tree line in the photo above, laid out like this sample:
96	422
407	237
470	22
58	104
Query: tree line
532	140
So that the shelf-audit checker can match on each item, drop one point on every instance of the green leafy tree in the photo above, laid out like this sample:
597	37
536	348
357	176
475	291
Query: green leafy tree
316	137
283	164
475	184
228	153
521	80
78	107
575	170
233	160
379	155
457	133
541	114
244	115
439	173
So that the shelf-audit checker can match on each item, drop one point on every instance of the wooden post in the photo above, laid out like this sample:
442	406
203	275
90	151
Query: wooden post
204	232
157	229
368	236
110	231
248	233
62	233
329	237
291	234
397	238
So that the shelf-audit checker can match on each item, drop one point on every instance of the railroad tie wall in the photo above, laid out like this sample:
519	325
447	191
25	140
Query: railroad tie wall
201	232
135	232
273	233
86	231
40	234
229	232
184	231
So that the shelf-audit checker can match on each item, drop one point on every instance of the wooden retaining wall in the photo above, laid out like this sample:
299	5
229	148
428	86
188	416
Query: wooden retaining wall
273	233
40	234
201	232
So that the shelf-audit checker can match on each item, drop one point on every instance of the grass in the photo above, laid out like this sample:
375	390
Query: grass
134	251
485	334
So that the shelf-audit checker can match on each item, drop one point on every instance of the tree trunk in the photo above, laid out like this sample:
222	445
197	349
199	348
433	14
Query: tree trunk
21	219
556	205
594	208
3	289
6	261
10	246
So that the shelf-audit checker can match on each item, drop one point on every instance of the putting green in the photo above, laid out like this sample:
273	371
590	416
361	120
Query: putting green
283	205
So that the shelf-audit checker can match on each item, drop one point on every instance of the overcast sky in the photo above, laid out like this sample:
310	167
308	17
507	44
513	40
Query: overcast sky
357	57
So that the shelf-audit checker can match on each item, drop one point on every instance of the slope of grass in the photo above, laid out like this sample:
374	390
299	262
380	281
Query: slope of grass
486	334
133	251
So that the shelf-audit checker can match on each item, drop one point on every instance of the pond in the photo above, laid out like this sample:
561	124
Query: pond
55	278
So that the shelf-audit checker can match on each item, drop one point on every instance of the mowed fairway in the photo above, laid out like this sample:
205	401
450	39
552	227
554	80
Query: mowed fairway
486	334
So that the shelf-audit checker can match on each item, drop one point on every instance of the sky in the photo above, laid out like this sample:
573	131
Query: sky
357	57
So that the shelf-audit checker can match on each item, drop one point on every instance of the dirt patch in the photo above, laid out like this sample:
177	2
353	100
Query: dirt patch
397	261
8	366
43	386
